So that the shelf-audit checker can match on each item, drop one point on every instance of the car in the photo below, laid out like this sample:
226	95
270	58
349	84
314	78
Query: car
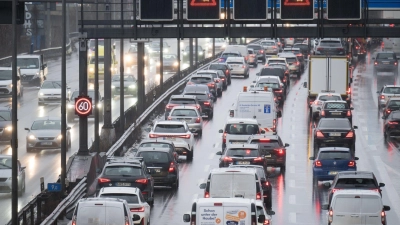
191	115
261	210
222	79
289	42
386	61
103	210
50	92
274	83
298	53
391	125
154	48
319	101
6	83
162	164
127	172
304	48
178	132
259	51
239	66
206	101
276	60
252	57
71	106
224	67
6	177
130	57
265	182
130	86
206	79
284	70
270	47
133	196
386	92
219	44
156	143
330	46
217	81
354	180
44	133
199	88
336	109
272	148
392	104
330	161
275	71
242	154
293	62
226	54
5	124
200	54
170	64
336	132
178	100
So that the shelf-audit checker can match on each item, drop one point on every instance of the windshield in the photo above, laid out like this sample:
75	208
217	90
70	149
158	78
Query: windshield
385	56
254	47
335	124
5	115
202	88
184	112
355	182
266	84
51	85
75	94
154	157
334	155
226	55
122	171
235	63
170	128
46	125
28	63
232	184
394	103
200	80
392	90
334	105
182	101
93	60
129	78
129	198
242	129
329	98
5	163
266	144
5	74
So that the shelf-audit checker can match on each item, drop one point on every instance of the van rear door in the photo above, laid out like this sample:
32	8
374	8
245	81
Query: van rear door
264	111
371	208
346	209
233	184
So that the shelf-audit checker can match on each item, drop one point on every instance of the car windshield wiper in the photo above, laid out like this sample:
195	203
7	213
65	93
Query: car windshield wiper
2	164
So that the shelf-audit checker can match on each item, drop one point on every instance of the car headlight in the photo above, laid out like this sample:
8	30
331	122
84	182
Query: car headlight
70	106
36	75
184	53
132	86
9	128
59	137
176	63
158	64
91	70
41	93
99	105
112	86
223	46
10	85
165	50
200	53
32	137
128	58
150	50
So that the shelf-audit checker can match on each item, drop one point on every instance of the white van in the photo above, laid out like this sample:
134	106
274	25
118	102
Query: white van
240	48
224	211
358	207
259	105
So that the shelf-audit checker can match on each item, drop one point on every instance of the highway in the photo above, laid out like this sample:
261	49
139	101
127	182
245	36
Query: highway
46	163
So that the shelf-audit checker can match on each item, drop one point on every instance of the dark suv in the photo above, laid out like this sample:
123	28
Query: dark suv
156	143
205	100
162	165
273	71
242	154
259	51
122	172
392	125
204	79
176	100
386	61
336	109
224	67
5	124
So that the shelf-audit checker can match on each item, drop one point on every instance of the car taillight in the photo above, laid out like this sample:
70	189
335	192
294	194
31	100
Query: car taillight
340	49
275	46
73	220
153	135
104	180
274	124
330	217
186	136
323	113
320	134
261	51
189	83
171	168
382	97
357	47
278	91
258	196
350	134
348	113
206	103
142	181
198	120
228	159
266	183
383	217
141	209
226	72
388	111
258	159
392	122
242	66
395	63
319	49
169	118
375	63
375	189
224	138
169	106
297	63
216	81
280	151
221	59
206	194
211	84
318	163
197	106
335	190
351	164
266	222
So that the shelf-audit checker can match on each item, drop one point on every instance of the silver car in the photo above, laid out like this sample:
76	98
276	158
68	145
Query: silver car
5	175
239	66
45	133
130	87
189	114
217	79
50	92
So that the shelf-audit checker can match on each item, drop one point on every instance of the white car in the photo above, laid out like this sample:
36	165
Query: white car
50	92
276	60
6	82
220	44
319	101
239	66
134	198
178	132
268	78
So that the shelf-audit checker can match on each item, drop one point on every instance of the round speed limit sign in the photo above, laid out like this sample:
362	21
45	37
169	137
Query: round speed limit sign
83	106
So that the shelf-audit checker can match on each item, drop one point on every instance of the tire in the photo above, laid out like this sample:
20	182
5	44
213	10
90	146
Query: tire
40	104
175	186
283	168
200	133
229	80
189	155
220	93
268	203
211	115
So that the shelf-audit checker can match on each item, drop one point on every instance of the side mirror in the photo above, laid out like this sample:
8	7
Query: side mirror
311	158
319	108
351	108
219	153
373	58
263	131
386	208
251	86
27	129
203	186
287	145
150	199
221	131
305	84
263	180
135	217
378	92
186	218
261	219
325	207
257	74
356	158
381	184
355	127
68	128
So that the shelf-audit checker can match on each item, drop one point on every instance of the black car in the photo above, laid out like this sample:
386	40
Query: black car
162	165
273	149
274	84
336	109
224	67
242	154
392	125
275	71
354	180
259	51
71	106
5	124
334	132
206	79
266	184
205	100
199	88
304	49
386	62
285	71
392	104
122	172
156	143
176	100
223	79
227	54
200	54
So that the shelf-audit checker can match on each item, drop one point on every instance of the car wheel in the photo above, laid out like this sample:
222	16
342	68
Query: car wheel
283	168
200	133
220	93
175	185
268	203
316	148
210	115
148	221
229	80
189	155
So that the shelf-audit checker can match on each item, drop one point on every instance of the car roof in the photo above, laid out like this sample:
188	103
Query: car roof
47	118
365	174
123	190
291	48
197	91
2	108
244	146
277	58
183	107
322	119
241	120
391	85
247	166
201	75
219	63
325	149
267	78
5	156
171	122
206	71
183	96
357	192
287	55
156	140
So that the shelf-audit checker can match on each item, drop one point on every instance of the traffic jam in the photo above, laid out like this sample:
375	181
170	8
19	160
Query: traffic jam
253	154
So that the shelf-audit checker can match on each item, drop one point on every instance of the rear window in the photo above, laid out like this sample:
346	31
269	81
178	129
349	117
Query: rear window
170	128
217	67
291	60
226	55
154	157
272	71
201	96
355	182
235	63
329	98
394	103
338	105
243	152
156	145
395	115
202	87
241	129
228	185
122	171
182	101
275	61
267	84
392	90
255	47
385	56
266	144
347	205
201	80
91	215
130	198
184	112
331	43
336	155
267	43
208	74
335	124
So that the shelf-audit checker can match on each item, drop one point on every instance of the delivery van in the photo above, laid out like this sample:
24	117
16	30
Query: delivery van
224	211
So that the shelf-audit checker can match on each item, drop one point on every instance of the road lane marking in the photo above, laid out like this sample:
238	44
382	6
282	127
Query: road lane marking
292	183
292	199
292	169
292	217
206	168
211	156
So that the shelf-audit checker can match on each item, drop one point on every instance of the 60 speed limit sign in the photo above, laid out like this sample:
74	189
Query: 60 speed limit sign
83	106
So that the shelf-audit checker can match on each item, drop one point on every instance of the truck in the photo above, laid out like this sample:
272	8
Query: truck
33	69
328	74
92	63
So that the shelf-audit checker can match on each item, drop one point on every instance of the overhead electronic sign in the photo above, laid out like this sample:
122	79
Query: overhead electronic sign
155	10
257	10
203	10
344	9
297	9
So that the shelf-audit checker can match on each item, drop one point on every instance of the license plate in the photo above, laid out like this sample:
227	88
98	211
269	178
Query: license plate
170	138
236	142
123	184
46	143
386	63
336	113
332	172
157	170
243	163
268	156
334	134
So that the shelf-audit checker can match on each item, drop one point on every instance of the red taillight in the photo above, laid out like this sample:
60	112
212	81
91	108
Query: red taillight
280	151
170	106
323	113
357	47
383	217
392	122
350	134
141	209
274	124
153	135
171	168
275	46
266	222
198	120
197	106
189	83
186	136
278	91
142	181
261	51
319	49
335	189
258	196
104	180
297	63
206	103
228	159
206	194
258	159
242	66
375	63
330	217
348	113
351	164
382	97
320	134
224	138
340	49
318	163
395	63
375	189
73	220
226	72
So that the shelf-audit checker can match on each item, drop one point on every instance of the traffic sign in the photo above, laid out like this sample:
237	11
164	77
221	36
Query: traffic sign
155	10
230	3
203	10
6	12
344	10
53	187
297	9
257	10
83	106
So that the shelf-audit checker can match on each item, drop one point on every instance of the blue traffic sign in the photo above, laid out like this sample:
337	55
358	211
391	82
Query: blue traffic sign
387	4
53	187
267	108
230	3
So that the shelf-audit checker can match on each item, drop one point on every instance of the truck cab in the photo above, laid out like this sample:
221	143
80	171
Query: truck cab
33	69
